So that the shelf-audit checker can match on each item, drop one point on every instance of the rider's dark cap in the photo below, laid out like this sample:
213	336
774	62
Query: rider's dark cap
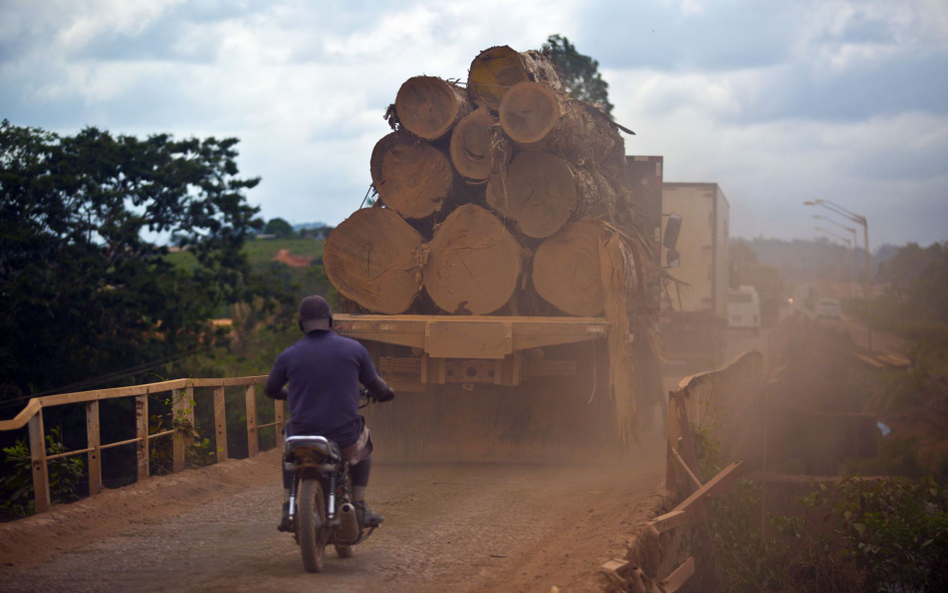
313	309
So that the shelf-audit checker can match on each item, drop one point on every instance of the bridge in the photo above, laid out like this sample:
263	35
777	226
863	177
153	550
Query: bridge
458	527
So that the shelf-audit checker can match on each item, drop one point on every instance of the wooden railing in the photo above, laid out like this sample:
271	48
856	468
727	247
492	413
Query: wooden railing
182	403
663	535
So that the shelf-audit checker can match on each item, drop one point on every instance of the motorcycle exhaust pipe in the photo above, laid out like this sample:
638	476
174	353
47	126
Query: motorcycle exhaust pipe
348	523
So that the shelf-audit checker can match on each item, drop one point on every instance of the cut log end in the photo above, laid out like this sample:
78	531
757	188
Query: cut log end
528	112
473	263
428	106
415	179
494	71
471	144
566	269
373	258
538	191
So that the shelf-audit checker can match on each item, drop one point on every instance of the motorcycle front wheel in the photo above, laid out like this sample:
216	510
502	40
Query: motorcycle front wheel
313	529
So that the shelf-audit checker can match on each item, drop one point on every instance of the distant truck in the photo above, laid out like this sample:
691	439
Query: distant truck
769	285
743	309
695	309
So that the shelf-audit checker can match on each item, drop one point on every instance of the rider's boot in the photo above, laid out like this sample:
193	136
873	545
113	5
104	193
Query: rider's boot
365	515
286	524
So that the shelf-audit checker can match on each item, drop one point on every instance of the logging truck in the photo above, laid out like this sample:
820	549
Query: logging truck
512	245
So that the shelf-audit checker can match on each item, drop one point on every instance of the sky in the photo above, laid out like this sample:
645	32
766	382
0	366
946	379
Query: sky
778	102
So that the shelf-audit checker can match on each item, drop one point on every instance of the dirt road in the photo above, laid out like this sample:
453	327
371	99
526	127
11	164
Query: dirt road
448	528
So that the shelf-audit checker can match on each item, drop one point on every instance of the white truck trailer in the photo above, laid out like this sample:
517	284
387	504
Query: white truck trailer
694	316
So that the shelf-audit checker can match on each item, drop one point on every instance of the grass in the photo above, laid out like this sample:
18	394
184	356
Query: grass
259	252
263	250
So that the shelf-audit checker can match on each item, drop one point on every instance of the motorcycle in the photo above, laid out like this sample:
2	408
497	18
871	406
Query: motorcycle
321	507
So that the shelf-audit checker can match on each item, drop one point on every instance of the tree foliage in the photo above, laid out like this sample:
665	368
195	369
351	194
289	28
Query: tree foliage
579	72
918	279
279	227
85	288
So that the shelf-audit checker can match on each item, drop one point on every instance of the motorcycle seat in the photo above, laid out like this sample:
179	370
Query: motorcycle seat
305	446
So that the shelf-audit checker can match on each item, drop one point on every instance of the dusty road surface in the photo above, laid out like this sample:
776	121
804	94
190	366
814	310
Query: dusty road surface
448	528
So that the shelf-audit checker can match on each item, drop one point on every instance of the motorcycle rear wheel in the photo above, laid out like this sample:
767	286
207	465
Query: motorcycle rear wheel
343	551
313	529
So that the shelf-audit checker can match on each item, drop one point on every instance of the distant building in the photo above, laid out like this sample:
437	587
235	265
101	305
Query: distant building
263	236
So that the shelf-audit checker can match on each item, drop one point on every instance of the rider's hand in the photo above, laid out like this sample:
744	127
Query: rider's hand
387	396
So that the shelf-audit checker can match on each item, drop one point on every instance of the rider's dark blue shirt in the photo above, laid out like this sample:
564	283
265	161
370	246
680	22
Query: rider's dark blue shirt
324	370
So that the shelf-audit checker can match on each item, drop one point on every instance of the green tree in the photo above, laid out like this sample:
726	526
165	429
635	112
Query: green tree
279	227
85	288
918	280
579	73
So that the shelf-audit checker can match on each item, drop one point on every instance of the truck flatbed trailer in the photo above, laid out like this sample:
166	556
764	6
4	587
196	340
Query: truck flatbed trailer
413	351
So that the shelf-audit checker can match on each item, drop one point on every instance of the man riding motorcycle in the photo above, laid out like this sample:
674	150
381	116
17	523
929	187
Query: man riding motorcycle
324	370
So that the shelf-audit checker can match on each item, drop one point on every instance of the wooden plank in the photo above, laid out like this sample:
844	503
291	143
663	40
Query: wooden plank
38	458
725	478
120	443
691	475
612	569
668	521
672	429
94	459
687	448
68	454
280	417
220	424
229	381
253	443
677	579
100	394
21	419
161	434
37	403
141	426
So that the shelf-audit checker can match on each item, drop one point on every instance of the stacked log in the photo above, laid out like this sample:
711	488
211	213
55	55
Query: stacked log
501	189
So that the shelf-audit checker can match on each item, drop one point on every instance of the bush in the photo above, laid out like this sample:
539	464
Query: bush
886	534
16	489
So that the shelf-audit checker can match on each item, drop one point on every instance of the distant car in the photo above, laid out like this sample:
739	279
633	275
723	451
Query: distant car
743	309
829	308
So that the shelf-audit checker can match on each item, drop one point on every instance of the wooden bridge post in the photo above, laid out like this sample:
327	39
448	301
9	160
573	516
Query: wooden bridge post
672	430
38	457
141	430
253	443
93	439
182	408
279	418
220	424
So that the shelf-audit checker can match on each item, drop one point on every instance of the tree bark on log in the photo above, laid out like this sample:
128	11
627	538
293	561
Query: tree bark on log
567	270
374	258
412	177
471	145
429	107
538	118
497	69
473	263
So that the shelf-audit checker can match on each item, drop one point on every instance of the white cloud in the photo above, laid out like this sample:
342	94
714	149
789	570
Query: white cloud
304	85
